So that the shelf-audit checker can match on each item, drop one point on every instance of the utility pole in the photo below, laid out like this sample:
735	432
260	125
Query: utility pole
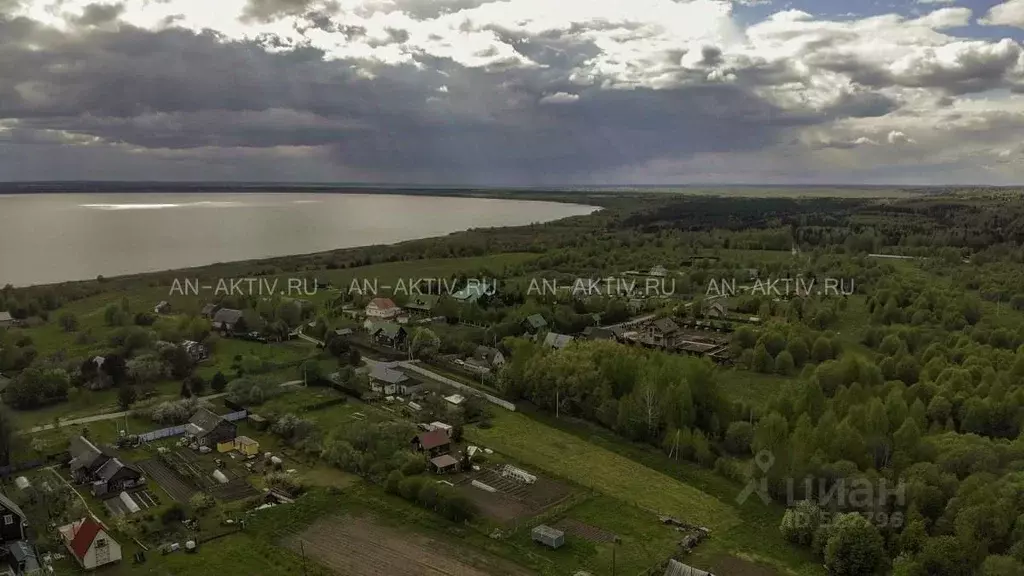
613	560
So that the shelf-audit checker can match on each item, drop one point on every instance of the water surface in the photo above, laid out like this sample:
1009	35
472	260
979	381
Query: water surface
47	238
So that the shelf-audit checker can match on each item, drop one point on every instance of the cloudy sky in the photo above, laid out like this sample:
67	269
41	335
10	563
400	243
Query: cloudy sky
516	92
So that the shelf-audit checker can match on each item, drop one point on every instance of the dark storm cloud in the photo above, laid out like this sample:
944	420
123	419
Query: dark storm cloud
178	90
99	14
268	10
975	68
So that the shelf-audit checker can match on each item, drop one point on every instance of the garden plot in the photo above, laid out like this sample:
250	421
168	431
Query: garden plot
173	484
586	531
128	503
361	547
513	496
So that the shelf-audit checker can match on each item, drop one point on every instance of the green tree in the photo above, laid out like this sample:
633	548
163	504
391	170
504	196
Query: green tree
854	547
801	522
784	363
219	382
1001	566
738	438
797	348
68	321
763	362
126	396
821	350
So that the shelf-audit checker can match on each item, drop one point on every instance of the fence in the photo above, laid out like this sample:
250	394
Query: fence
162	433
236	416
13	468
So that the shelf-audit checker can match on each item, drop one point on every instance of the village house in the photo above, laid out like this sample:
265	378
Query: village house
196	351
386	379
90	543
208	429
470	294
716	310
434	443
534	323
388	334
492	356
663	332
6	321
226	319
209	310
86	459
21	559
14	525
162	308
115	476
382	308
422	304
557	341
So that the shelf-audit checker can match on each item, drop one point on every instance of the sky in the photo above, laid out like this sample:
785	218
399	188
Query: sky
514	92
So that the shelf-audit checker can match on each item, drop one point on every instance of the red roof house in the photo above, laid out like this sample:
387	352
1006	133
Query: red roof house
382	308
90	544
435	442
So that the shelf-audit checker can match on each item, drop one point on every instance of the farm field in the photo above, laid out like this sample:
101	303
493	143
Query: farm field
360	547
634	494
564	455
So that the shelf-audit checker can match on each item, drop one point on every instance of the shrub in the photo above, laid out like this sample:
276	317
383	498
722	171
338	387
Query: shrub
176	513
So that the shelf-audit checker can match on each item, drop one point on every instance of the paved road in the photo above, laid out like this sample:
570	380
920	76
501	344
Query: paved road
116	415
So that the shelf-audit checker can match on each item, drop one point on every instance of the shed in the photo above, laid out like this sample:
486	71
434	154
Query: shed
225	446
548	536
247	446
220	477
444	463
454	401
442	426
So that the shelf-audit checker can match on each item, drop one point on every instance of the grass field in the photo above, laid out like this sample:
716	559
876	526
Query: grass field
751	387
566	456
644	479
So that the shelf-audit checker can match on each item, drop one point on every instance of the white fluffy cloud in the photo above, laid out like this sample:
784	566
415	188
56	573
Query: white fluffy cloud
1009	13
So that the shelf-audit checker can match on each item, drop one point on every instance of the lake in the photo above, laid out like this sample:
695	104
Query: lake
46	238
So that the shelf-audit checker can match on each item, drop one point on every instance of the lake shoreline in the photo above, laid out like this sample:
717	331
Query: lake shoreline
283	259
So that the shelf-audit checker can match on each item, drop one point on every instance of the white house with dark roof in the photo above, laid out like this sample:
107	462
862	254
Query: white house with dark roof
386	379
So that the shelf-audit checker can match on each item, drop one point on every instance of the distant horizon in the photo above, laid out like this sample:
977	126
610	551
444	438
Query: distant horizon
23	184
